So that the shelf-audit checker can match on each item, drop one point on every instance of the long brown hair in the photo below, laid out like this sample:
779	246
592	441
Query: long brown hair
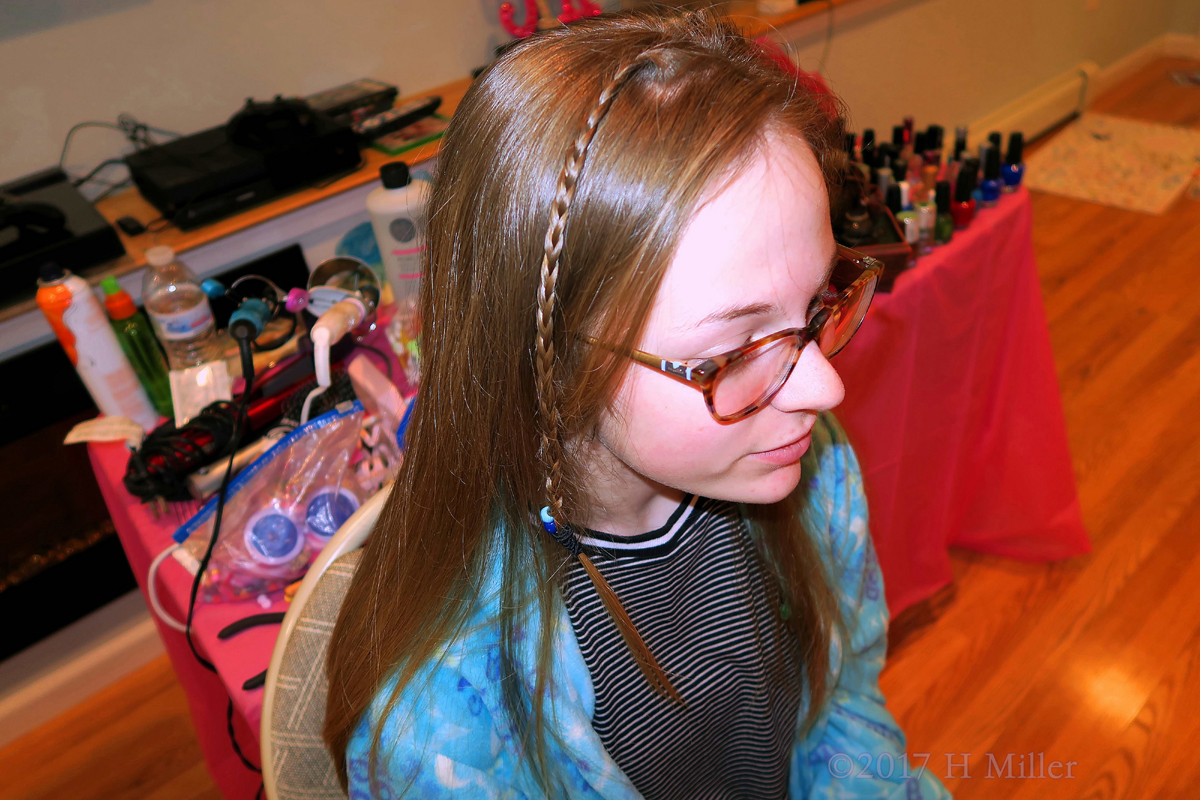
565	180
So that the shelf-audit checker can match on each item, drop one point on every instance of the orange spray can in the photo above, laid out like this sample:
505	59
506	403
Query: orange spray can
82	328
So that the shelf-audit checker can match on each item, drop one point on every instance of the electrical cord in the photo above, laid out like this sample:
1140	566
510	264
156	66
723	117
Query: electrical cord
135	132
108	162
244	336
168	454
237	748
152	591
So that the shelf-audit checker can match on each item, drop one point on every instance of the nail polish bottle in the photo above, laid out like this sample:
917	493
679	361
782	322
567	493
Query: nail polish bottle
1014	169
905	219
949	171
868	138
899	169
929	179
912	237
989	187
870	161
907	214
960	142
883	180
849	145
893	200
934	139
908	130
963	207
927	221
856	226
915	162
995	140
906	205
898	138
943	227
920	143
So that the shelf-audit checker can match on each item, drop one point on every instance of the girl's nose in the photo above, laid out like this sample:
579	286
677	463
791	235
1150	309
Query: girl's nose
814	384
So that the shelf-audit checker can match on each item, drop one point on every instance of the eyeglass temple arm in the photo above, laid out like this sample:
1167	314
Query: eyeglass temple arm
676	369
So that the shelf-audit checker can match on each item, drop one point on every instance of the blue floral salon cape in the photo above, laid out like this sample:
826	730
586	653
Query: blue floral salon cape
449	734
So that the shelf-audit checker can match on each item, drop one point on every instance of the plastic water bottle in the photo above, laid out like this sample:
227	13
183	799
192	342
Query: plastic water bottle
179	310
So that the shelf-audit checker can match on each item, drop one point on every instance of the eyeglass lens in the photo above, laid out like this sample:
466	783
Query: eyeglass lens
752	380
746	382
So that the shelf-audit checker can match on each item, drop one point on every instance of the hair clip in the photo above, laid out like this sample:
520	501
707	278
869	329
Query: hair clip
561	535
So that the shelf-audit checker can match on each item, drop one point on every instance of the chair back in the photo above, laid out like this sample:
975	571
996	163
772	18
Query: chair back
296	765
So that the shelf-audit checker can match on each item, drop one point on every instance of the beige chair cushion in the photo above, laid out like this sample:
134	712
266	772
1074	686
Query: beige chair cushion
303	767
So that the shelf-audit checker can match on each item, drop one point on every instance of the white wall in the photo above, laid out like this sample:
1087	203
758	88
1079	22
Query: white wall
188	64
955	61
184	65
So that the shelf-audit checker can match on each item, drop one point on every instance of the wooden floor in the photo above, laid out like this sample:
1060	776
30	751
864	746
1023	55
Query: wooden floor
1097	659
1094	660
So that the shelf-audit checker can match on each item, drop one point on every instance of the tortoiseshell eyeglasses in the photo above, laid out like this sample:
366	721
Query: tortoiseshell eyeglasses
738	383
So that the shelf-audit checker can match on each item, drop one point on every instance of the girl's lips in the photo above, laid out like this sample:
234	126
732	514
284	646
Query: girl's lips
788	454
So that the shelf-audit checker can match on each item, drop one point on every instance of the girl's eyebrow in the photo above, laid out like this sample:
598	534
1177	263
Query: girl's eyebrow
763	309
737	312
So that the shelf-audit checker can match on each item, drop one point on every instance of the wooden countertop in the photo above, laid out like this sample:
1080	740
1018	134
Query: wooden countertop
756	24
131	203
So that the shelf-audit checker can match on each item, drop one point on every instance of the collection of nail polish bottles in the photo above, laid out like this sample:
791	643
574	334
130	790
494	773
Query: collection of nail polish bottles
930	193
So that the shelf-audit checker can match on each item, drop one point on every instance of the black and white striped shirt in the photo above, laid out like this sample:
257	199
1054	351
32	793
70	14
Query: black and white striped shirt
697	593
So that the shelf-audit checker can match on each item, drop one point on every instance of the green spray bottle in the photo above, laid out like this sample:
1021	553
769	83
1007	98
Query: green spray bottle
141	348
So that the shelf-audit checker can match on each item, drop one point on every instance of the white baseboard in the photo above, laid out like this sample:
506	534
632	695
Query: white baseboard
1055	100
63	670
1040	110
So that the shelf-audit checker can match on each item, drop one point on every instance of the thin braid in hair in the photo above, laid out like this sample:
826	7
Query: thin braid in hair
549	419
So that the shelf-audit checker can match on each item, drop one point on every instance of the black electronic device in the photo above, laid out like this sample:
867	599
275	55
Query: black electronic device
399	117
45	218
266	149
354	101
131	226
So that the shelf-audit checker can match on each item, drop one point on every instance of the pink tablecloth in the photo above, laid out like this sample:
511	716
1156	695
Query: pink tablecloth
236	659
952	404
953	407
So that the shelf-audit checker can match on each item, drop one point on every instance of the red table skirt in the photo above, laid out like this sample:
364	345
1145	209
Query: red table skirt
951	402
953	407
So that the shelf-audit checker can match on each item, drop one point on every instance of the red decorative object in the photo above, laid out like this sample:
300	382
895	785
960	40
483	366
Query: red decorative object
507	11
570	12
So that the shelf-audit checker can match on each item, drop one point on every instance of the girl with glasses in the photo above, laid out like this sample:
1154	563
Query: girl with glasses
627	555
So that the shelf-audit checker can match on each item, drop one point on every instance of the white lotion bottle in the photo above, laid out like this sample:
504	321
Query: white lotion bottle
398	215
397	212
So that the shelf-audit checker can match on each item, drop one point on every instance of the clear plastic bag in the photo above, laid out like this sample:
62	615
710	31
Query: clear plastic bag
281	510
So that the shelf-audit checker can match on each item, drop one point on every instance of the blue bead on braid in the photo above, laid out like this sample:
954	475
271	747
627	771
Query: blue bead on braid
561	535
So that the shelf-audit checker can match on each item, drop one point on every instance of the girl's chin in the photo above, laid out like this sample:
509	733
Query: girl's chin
761	489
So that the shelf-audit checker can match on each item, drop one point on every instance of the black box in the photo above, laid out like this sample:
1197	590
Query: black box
26	243
204	177
354	101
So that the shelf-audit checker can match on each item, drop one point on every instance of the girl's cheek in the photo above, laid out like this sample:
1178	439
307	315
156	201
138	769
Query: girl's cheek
676	437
